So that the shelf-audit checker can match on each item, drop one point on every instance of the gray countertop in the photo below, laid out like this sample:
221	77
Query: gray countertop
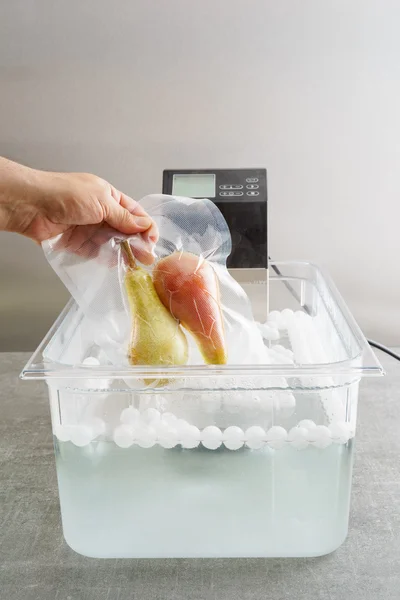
36	564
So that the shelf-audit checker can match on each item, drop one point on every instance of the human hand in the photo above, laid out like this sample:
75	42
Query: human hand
86	209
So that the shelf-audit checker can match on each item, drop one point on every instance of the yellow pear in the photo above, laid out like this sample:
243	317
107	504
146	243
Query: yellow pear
156	336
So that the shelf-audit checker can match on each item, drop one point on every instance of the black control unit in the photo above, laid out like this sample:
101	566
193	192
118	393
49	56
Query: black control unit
241	196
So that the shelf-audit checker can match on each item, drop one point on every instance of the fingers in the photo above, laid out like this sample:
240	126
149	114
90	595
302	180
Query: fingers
75	238
89	241
130	204
121	215
135	209
80	241
122	220
142	251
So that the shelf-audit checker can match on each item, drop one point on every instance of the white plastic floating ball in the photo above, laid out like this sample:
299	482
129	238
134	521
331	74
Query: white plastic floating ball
124	436
266	401
320	436
273	333
190	437
285	403
276	437
275	319
151	416
130	415
91	360
307	424
81	435
181	425
90	452
94	384
145	436
255	437
274	315
287	316
62	433
298	437
211	437
340	433
99	451
269	332
169	418
98	426
300	314
233	437
133	384
167	436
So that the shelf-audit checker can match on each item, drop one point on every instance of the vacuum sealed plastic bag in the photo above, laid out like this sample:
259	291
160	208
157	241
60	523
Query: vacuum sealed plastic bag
183	309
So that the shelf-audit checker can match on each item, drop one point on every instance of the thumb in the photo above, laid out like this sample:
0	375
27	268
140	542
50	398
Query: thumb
122	220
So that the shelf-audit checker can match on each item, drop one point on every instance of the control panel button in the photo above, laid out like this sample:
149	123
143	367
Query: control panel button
252	180
230	186
231	194
253	193
252	186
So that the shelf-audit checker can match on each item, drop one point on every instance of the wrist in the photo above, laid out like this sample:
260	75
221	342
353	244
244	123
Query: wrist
20	189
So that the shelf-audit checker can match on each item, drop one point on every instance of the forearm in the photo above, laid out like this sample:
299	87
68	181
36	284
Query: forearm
19	190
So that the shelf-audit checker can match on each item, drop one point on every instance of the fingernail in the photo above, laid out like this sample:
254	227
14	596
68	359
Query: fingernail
143	222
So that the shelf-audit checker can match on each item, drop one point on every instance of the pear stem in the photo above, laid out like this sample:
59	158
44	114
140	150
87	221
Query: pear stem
129	254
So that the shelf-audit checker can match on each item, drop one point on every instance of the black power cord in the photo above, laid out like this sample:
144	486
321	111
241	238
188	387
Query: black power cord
372	343
384	349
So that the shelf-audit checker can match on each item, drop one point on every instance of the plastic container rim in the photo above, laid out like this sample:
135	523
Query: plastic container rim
53	369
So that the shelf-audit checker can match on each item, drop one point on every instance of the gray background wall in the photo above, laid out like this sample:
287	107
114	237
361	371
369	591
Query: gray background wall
308	89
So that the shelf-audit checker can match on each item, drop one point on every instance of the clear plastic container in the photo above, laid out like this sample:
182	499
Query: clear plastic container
226	461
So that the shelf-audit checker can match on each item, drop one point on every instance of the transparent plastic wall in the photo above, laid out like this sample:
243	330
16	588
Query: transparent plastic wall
262	473
253	460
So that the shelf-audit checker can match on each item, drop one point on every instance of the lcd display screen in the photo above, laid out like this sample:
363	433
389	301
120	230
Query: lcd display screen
191	185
